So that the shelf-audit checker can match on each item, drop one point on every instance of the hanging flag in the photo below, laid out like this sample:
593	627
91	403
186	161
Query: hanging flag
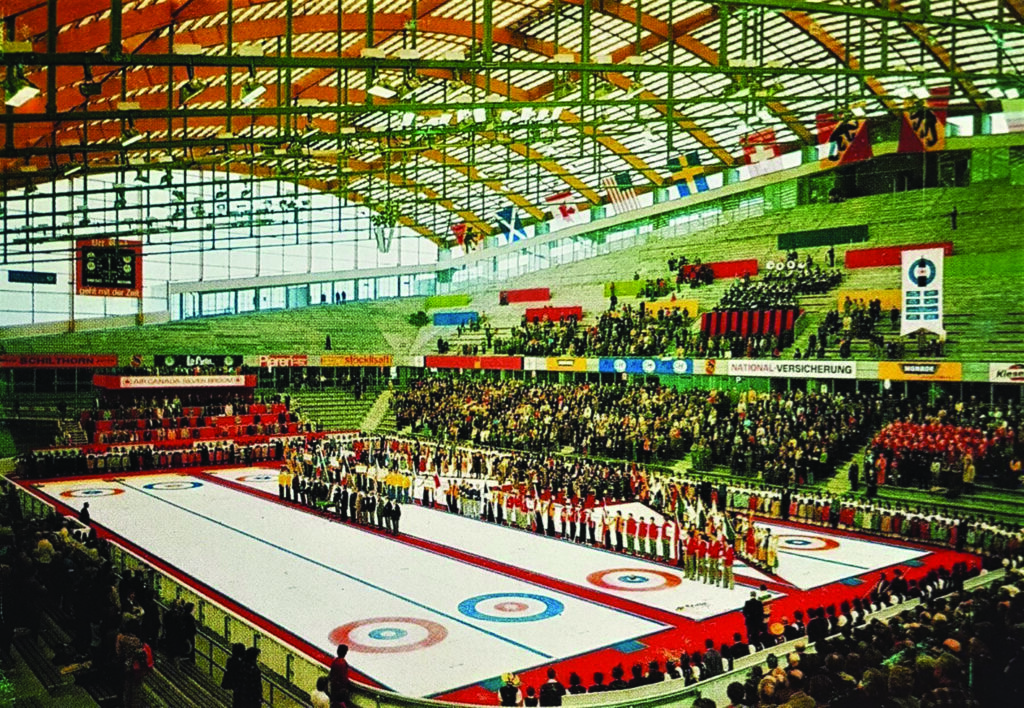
842	140
923	129
758	148
688	172
922	291
621	192
1013	114
560	206
510	224
459	230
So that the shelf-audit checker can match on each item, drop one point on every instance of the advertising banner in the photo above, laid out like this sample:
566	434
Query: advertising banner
268	361
193	360
922	291
378	360
510	363
132	382
1006	373
920	370
565	364
57	361
637	365
791	369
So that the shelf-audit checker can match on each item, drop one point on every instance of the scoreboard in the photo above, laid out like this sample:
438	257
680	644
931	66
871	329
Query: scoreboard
109	267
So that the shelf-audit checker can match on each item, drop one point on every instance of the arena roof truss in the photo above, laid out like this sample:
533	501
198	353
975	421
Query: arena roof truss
438	112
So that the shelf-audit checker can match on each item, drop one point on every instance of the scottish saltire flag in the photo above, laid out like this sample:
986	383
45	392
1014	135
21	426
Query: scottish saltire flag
621	192
509	223
688	173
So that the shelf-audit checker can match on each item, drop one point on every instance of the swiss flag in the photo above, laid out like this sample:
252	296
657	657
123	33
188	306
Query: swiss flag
758	148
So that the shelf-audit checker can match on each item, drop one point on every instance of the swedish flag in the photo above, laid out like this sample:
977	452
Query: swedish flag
688	173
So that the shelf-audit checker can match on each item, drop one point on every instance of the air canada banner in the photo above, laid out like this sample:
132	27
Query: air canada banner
57	361
132	382
1006	373
637	365
792	369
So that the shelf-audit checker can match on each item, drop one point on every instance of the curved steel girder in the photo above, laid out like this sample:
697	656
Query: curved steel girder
819	34
245	31
938	52
680	34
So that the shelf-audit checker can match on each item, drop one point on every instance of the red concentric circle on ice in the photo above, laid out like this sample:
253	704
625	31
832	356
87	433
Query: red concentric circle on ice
93	492
796	542
634	579
388	635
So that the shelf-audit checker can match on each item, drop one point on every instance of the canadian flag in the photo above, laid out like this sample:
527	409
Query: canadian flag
560	206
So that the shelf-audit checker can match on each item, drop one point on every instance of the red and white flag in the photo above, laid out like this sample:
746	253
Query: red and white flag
560	206
758	149
621	192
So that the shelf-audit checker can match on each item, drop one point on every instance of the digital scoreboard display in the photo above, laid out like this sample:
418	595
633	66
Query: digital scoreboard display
109	268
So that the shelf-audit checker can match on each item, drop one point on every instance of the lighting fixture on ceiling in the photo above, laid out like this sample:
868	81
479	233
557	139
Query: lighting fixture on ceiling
635	89
921	92
192	88
132	135
73	169
17	89
380	90
252	90
89	88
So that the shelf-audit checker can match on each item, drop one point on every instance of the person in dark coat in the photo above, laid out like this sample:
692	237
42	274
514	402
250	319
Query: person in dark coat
396	515
233	671
249	690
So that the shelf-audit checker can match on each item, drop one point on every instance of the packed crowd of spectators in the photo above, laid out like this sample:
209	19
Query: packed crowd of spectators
949	444
778	288
119	421
629	331
114	622
789	436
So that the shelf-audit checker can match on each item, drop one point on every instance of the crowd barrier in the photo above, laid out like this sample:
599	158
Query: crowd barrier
889	255
507	297
554	314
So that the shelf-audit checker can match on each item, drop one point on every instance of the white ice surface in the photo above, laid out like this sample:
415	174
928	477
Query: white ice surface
849	557
309	576
569	562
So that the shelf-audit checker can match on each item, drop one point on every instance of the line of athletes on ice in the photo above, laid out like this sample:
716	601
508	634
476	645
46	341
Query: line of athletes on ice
703	542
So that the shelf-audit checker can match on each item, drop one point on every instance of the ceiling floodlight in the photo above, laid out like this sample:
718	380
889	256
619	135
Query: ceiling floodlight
635	89
192	88
921	92
18	90
132	135
89	88
251	92
73	169
381	91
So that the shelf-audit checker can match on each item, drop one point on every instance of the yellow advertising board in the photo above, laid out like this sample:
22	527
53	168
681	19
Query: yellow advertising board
920	370
688	305
890	298
566	364
356	360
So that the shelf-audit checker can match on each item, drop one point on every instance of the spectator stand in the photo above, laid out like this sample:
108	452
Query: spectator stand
173	683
